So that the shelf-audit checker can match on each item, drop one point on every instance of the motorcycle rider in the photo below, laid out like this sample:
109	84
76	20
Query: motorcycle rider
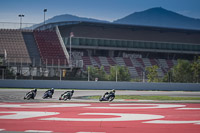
50	92
109	93
34	92
67	92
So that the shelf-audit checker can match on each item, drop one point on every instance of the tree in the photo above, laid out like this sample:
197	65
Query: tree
121	72
196	69
168	77
182	72
1	61
152	73
95	72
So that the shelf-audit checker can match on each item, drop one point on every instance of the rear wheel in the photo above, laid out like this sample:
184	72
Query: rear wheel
100	99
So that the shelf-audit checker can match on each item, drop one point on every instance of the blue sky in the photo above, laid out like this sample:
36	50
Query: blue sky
100	9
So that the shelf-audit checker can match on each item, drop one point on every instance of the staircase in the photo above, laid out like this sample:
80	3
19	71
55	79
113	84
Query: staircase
32	47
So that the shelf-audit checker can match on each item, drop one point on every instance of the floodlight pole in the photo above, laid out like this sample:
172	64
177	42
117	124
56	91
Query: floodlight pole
143	77
70	50
45	10
20	16
116	74
88	75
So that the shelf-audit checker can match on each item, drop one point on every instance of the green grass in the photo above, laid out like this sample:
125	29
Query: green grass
136	97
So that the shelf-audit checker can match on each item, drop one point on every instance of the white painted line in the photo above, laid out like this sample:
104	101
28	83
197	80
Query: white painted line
121	117
188	109
25	114
2	129
138	100
43	105
38	131
172	122
145	106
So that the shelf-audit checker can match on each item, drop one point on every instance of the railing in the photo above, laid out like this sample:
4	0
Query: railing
62	43
15	25
36	68
38	62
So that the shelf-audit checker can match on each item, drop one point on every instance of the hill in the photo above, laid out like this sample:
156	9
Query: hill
157	16
160	17
68	17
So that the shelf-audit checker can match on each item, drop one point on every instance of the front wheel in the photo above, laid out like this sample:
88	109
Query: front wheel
111	98
29	96
45	96
65	98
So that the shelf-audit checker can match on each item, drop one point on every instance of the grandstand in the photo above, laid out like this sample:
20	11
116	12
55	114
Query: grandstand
46	50
136	47
35	53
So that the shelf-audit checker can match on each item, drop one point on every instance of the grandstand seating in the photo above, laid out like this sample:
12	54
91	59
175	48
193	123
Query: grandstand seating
146	62
50	48
120	61
169	63
111	61
104	61
97	60
86	60
153	62
140	61
12	41
139	70
133	71
163	63
94	62
128	62
136	66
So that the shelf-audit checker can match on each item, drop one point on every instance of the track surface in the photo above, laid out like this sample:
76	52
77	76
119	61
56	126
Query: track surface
16	95
100	117
77	116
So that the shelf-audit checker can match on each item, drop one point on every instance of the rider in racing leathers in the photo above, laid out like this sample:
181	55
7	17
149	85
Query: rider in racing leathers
50	92
34	92
109	93
70	94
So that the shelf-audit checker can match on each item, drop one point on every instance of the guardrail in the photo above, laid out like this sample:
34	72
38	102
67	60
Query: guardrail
99	85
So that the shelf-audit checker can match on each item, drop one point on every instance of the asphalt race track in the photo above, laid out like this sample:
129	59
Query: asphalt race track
81	116
16	95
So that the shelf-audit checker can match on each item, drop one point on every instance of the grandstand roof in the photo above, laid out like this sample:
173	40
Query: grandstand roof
154	28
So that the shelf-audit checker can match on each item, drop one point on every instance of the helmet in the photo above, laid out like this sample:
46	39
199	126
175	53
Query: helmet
35	90
72	91
113	90
52	88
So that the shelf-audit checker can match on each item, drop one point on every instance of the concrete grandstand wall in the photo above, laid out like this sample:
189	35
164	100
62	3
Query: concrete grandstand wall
99	85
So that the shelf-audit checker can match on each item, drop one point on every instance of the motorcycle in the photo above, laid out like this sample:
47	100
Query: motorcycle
47	94
107	97
67	95
30	95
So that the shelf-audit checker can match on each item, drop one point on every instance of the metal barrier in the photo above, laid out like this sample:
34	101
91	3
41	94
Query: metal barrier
99	85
